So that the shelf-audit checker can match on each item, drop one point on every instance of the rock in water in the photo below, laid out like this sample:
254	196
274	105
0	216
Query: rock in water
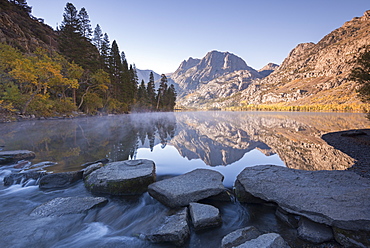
190	187
69	205
204	216
268	240
17	178
334	198
240	236
11	156
174	229
128	177
60	180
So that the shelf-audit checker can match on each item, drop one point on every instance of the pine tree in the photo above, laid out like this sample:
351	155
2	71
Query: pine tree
132	84
70	19
151	91
97	39
105	51
161	91
84	23
115	68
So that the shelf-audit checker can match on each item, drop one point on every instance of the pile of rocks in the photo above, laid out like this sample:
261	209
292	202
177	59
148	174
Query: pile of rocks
322	205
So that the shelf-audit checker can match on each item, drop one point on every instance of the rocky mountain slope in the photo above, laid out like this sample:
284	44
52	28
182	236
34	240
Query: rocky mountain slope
311	74
193	73
23	32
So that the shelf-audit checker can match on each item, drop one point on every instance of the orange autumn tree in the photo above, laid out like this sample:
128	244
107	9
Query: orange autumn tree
39	76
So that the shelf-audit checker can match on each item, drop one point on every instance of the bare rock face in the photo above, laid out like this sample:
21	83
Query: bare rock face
128	177
192	73
190	187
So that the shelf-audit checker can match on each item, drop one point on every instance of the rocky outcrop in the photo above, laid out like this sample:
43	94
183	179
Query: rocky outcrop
174	229
321	196
193	186
68	205
128	177
204	216
338	199
268	69
60	180
14	156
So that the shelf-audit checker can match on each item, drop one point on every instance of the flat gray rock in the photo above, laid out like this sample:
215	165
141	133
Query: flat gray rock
334	198
174	229
128	177
204	216
60	180
240	236
11	156
268	240
190	187
68	205
314	232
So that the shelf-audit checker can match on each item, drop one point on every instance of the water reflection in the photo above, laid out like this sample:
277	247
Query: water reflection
205	138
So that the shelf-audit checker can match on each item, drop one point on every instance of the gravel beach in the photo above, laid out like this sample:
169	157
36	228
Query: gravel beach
356	144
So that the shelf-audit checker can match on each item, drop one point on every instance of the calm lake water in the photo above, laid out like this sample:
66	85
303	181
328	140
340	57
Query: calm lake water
177	143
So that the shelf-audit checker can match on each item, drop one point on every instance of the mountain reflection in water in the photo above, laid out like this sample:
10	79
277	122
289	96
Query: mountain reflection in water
201	139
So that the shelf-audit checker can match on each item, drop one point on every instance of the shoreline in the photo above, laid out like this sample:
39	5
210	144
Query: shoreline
356	144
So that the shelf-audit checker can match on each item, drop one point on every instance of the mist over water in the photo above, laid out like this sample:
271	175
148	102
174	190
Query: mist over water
177	143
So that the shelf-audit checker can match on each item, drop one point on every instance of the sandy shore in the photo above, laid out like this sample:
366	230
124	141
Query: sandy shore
355	143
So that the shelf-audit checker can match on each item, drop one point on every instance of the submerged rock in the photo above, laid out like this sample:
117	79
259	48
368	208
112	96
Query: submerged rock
268	240
204	216
60	180
334	198
17	178
190	187
240	236
128	177
11	156
174	229
68	205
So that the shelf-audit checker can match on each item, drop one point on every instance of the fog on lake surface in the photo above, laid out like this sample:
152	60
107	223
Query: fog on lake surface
182	141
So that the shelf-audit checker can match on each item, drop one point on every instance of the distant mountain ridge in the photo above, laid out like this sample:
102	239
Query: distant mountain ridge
193	73
312	74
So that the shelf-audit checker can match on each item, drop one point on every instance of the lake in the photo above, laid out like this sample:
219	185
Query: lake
177	143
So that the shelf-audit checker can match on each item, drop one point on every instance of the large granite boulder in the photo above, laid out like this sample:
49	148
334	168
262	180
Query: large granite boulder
23	177
204	216
335	198
60	180
128	177
190	187
68	205
268	240
12	156
174	229
240	236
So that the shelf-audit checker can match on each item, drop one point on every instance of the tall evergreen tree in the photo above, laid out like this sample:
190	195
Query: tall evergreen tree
131	88
151	91
84	23
105	51
97	37
161	91
70	21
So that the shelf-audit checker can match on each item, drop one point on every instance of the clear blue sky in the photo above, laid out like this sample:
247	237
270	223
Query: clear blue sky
160	34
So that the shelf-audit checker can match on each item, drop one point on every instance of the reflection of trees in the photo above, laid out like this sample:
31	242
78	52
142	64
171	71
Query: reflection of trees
71	143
